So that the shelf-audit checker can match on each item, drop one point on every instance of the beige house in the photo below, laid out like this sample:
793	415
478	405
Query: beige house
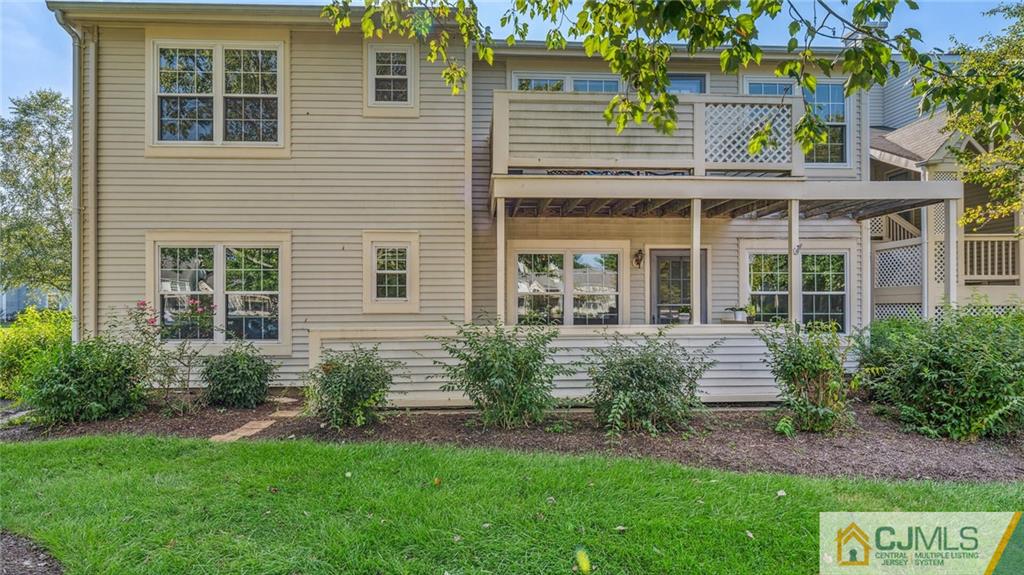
322	190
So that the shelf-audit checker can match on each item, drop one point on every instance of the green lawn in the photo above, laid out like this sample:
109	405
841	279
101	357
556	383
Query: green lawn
146	505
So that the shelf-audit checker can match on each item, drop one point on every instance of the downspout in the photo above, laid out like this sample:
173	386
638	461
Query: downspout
76	175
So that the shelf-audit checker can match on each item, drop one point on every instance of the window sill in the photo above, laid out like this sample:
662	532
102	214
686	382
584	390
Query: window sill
217	152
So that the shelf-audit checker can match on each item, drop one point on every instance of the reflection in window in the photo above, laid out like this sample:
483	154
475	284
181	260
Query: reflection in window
540	85
186	292
250	109
185	95
605	86
768	88
595	289
252	293
392	273
391	77
824	288
540	288
828	103
769	286
686	83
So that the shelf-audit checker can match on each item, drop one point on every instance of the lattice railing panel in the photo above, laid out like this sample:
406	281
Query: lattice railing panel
897	310
943	176
938	213
729	127
898	267
939	263
877	227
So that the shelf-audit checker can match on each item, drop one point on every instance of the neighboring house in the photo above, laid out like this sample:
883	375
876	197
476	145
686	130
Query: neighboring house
909	270
14	301
324	190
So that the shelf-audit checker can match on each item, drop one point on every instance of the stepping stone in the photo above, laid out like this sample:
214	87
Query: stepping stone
251	428
286	413
283	399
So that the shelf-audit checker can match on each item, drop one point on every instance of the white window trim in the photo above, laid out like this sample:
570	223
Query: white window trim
371	241
567	248
219	239
373	108
808	247
218	47
748	79
567	79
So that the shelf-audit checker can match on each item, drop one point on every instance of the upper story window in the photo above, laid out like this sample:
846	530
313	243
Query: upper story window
687	83
588	83
828	102
596	85
218	93
390	68
528	84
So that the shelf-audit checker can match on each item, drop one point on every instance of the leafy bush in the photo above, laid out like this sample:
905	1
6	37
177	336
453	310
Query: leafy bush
507	372
238	377
350	387
650	384
960	375
807	363
32	333
94	379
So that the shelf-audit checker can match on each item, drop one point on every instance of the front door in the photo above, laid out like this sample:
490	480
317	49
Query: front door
670	280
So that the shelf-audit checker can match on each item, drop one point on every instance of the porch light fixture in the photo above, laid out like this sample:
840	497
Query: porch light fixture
638	259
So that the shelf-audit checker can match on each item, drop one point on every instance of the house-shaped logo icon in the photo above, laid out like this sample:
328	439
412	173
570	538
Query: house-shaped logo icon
852	547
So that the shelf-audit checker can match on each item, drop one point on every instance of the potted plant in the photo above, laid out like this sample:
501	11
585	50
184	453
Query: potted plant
743	313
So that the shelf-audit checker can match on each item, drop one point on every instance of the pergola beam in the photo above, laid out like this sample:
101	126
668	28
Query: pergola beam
876	210
653	206
570	205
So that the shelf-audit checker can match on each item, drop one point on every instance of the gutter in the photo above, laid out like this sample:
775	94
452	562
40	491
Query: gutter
76	176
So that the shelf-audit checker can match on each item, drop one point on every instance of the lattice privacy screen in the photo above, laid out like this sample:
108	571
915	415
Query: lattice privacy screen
897	310
729	127
943	176
898	267
939	263
938	212
877	227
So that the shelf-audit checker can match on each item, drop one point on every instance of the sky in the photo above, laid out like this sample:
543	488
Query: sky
35	52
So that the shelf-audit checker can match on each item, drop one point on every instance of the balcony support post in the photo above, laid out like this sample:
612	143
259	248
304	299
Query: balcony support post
796	296
952	257
502	264
699	139
926	262
696	298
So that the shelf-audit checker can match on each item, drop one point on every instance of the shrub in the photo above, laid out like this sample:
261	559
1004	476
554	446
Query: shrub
350	387
508	372
649	384
33	332
238	377
960	375
94	379
807	363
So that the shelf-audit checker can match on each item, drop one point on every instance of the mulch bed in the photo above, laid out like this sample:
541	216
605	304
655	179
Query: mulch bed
737	440
20	556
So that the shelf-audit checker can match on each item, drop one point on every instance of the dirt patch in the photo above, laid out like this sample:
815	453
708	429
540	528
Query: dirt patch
20	556
733	440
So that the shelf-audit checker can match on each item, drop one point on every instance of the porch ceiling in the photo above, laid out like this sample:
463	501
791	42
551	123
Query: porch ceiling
660	197
606	208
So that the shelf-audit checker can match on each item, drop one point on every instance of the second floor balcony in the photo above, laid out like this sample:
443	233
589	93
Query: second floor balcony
566	133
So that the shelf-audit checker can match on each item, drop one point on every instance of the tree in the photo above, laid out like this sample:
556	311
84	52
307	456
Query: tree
634	38
995	123
35	192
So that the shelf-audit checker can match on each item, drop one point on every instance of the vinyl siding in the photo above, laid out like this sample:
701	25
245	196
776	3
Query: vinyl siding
346	174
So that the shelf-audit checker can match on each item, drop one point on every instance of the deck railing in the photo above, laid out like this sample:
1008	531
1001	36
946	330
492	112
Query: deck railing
991	257
550	130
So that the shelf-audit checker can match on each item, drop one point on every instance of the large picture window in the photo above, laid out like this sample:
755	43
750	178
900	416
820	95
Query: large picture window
214	93
568	287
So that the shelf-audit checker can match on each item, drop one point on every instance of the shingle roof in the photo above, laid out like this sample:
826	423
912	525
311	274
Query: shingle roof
917	141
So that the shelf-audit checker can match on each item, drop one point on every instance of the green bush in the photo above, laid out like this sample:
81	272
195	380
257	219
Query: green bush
507	372
960	375
807	362
94	379
33	332
350	387
649	384
238	377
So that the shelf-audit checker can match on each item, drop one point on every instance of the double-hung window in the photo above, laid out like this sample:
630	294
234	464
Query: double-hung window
390	74
829	103
823	286
390	272
217	93
252	292
568	287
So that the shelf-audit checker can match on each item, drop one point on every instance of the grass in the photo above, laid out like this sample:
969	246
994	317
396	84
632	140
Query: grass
148	505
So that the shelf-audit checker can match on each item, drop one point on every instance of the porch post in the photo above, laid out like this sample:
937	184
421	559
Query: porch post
696	298
926	262
796	296
500	233
952	259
